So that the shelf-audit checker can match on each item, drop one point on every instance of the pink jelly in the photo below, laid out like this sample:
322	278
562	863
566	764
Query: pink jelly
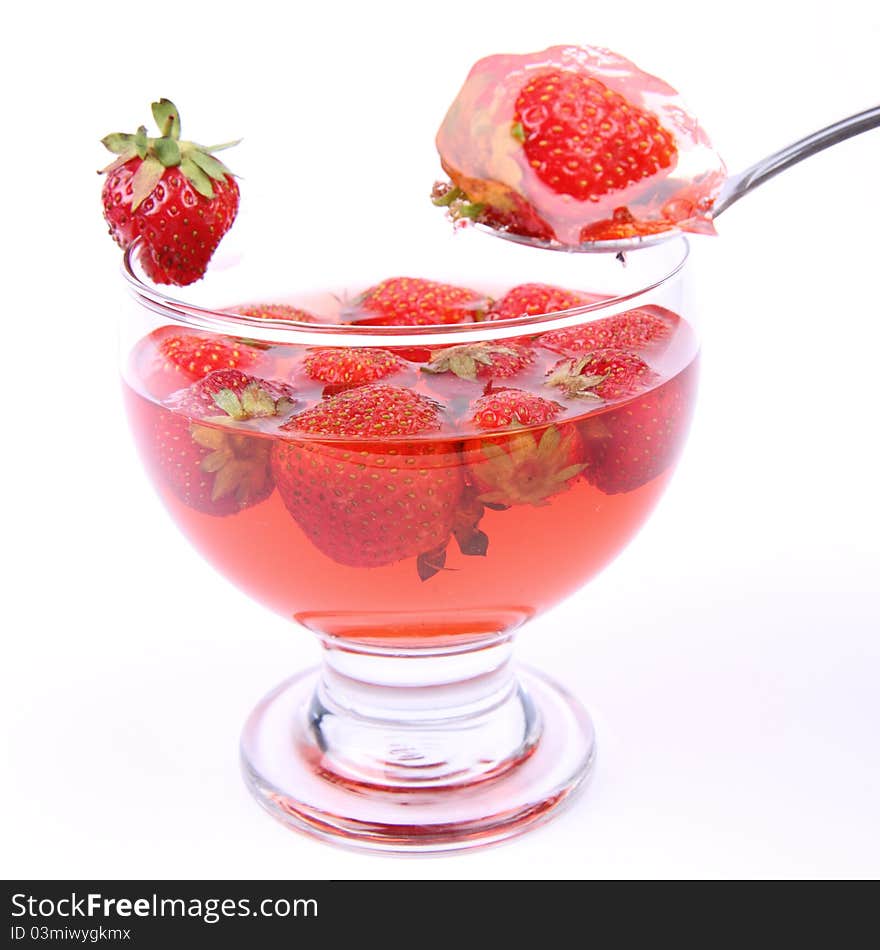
484	150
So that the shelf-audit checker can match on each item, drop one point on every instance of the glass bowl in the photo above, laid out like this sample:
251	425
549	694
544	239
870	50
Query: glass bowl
406	521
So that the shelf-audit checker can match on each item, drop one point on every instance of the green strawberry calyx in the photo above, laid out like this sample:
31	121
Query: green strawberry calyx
196	162
458	205
255	402
465	360
526	469
570	379
239	464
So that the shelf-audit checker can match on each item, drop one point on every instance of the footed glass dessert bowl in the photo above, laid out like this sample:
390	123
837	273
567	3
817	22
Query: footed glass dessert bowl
412	461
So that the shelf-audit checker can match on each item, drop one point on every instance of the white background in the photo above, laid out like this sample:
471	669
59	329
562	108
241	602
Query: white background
730	657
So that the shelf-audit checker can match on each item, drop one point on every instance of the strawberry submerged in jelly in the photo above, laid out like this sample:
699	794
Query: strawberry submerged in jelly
633	330
532	300
346	367
358	476
170	358
416	302
602	374
531	462
485	361
202	449
632	445
574	144
282	312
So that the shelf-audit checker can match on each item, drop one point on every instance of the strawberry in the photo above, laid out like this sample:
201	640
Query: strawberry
371	412
214	467
585	140
623	224
240	396
525	468
633	330
528	466
603	374
169	359
174	196
507	407
572	144
273	311
532	300
489	203
414	301
633	444
358	475
347	367
481	360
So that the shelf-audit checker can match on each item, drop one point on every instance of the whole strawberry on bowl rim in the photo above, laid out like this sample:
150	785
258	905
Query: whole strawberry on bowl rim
174	197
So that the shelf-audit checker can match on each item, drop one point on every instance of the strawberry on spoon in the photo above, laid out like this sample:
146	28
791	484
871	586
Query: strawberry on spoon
175	196
578	146
561	144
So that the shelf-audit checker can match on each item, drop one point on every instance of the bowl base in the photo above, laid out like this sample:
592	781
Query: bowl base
282	766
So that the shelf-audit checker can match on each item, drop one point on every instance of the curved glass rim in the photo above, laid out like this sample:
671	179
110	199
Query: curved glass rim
329	334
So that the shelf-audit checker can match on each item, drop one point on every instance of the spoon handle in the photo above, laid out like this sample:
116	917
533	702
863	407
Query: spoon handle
738	185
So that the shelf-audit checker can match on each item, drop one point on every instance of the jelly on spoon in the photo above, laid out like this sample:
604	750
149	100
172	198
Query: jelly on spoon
575	144
510	190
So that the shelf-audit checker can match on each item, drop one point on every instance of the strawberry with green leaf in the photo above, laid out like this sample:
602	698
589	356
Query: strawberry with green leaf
530	462
569	144
472	361
203	450
603	374
174	196
230	394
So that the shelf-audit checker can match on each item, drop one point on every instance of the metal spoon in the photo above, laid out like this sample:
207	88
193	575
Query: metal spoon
734	187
